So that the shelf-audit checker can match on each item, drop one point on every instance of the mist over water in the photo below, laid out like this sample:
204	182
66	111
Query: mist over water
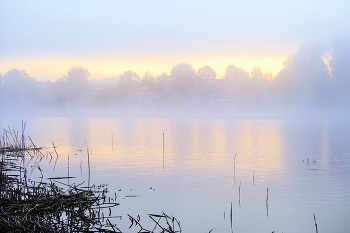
313	79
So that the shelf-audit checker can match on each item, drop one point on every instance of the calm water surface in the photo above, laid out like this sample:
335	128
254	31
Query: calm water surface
304	163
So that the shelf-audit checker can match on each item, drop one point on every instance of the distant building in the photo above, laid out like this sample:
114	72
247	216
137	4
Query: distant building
146	98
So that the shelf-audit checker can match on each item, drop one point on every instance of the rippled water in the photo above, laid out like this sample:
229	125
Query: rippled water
303	163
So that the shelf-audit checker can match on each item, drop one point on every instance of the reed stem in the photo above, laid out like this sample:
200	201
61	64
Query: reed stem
163	150
315	223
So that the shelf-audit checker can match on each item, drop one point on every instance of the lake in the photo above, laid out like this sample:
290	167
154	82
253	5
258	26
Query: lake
276	172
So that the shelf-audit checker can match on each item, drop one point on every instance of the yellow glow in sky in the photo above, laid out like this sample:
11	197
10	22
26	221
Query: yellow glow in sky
44	70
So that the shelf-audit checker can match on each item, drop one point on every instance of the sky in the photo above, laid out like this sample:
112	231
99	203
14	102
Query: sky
108	37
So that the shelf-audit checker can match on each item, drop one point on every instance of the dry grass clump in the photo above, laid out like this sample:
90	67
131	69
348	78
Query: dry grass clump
29	206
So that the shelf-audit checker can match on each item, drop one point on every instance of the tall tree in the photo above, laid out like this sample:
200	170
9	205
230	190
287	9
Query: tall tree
183	72
76	90
18	86
339	59
148	79
77	76
127	87
238	82
234	74
16	77
206	72
129	75
183	81
257	73
163	85
304	80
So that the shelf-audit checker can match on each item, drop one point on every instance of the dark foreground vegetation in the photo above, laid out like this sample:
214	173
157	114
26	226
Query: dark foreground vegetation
36	206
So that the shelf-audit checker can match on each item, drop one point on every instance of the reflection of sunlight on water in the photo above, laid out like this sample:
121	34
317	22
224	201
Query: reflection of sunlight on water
258	147
195	147
137	145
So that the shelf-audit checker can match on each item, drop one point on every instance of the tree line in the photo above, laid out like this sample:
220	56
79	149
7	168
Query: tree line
316	76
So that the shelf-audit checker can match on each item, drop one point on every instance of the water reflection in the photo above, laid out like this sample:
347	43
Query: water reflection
197	182
193	147
258	147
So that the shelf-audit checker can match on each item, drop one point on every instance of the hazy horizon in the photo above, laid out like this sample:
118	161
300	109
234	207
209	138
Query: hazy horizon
48	38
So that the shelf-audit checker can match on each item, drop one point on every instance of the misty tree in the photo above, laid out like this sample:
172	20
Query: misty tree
19	80
128	85
163	78
257	73
129	75
77	76
1	91
61	80
307	64
129	81
238	83
163	85
183	73
304	80
148	79
260	78
340	58
235	74
147	76
18	86
73	88
183	81
259	88
207	86
339	69
16	77
206	72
